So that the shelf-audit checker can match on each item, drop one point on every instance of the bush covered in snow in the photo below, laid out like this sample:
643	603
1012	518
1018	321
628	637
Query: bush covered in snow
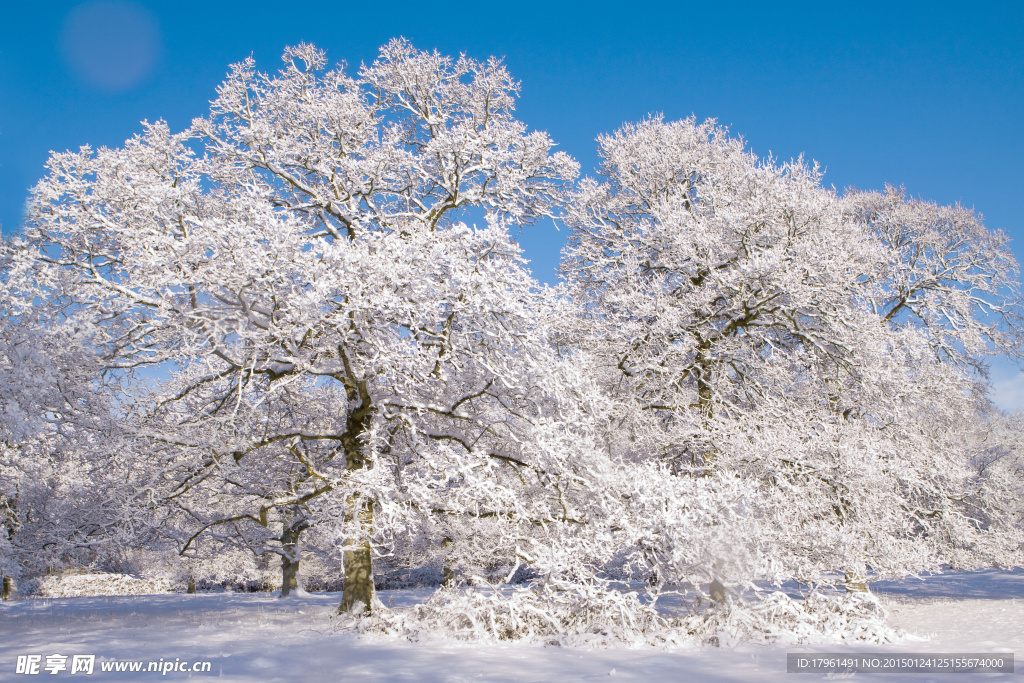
80	585
599	615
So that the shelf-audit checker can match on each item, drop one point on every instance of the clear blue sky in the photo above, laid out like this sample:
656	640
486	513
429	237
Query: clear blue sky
929	95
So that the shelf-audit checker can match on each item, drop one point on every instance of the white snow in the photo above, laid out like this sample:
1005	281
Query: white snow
257	637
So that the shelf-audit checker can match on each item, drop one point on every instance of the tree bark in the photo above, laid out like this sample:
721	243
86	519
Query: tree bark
448	574
705	406
8	587
290	557
854	583
717	591
357	556
358	561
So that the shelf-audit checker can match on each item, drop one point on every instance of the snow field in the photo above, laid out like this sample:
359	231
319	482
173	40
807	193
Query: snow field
258	637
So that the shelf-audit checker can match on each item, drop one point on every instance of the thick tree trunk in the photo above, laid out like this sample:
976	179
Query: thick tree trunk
358	560
703	456
357	556
7	589
290	558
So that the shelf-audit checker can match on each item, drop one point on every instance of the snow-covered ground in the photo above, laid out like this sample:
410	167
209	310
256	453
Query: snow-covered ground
256	637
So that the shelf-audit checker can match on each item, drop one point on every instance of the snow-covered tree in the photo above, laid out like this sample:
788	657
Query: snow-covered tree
944	274
748	323
997	445
298	260
65	481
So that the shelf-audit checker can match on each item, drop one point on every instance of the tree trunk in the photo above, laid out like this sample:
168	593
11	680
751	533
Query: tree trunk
854	583
717	591
290	557
706	456
448	574
8	588
358	561
357	556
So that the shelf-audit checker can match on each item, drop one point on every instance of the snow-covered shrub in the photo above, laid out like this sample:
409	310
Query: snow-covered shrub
569	614
81	585
234	569
777	618
598	615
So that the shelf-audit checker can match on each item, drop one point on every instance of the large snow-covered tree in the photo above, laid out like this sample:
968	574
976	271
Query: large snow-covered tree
299	261
752	323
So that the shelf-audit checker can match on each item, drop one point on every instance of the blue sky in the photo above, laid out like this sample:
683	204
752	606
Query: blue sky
926	95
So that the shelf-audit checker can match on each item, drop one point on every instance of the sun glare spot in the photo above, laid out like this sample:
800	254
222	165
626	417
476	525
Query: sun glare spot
110	44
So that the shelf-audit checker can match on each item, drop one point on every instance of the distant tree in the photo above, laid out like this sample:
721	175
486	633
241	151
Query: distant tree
997	445
66	489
